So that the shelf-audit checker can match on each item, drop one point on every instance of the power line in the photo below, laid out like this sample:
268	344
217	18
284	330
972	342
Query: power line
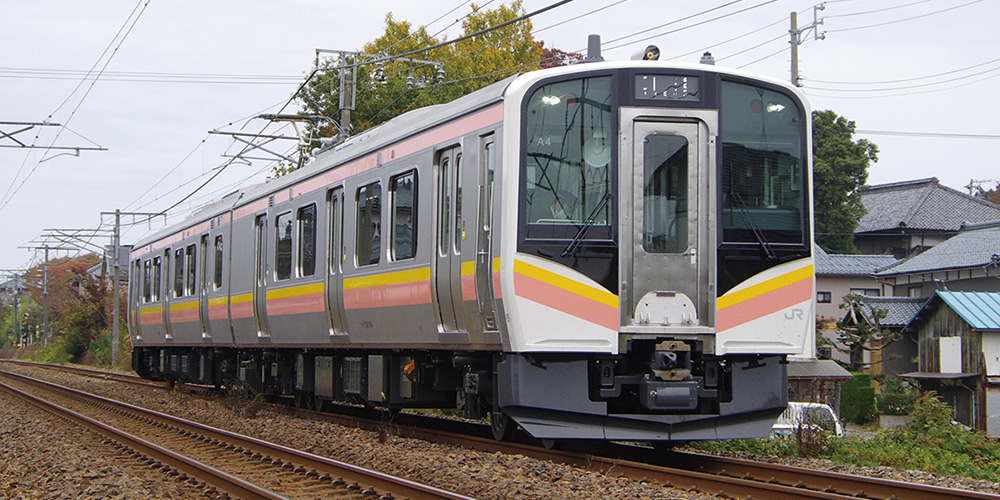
904	20
876	11
9	195
908	87
937	135
886	82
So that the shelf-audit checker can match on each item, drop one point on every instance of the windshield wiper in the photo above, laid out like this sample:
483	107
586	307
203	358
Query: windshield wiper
573	245
745	212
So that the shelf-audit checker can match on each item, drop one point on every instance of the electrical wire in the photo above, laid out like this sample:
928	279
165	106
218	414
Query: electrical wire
886	82
9	195
904	20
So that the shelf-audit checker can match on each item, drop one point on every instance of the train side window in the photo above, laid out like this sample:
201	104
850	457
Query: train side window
147	280
444	222
459	228
404	220
283	246
307	240
192	259
335	236
179	273
369	235
218	262
155	295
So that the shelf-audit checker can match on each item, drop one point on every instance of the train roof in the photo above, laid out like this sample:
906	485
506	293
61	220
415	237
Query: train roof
421	119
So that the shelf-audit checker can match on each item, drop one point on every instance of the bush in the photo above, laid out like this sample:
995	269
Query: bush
857	399
930	442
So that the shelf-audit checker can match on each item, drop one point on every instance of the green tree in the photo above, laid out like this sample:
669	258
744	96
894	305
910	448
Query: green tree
394	87
840	170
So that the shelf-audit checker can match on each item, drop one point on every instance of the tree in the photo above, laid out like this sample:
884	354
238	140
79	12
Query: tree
553	57
840	171
862	331
394	87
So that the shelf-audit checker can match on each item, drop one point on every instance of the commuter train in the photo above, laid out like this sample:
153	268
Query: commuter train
608	250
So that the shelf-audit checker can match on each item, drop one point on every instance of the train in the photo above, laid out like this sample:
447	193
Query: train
611	250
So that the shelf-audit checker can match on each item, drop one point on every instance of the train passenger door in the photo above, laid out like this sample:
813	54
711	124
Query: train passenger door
670	223
447	268
335	249
260	271
202	277
484	236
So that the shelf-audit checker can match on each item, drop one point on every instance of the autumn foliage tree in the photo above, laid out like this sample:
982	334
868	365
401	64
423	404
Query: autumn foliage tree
80	304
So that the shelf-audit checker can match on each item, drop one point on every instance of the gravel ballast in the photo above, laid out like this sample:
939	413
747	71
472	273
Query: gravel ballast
473	473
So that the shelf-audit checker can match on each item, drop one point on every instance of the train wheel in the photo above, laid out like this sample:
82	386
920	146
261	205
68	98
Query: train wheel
502	426
304	400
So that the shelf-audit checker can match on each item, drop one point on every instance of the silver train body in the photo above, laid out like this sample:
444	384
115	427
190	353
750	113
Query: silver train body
614	250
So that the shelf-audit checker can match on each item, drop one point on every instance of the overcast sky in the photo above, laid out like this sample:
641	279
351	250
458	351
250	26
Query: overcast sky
918	77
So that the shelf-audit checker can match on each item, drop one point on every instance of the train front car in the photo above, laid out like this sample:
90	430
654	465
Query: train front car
662	268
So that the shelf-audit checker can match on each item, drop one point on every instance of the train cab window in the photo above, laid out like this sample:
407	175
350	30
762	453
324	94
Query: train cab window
763	168
404	229
665	194
147	281
218	262
307	240
192	259
566	176
369	235
283	246
155	292
179	273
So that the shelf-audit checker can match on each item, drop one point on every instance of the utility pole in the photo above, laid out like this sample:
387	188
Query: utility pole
47	331
348	87
796	38
115	285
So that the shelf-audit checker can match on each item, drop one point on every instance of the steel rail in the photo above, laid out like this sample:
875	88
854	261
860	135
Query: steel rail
223	481
856	486
279	454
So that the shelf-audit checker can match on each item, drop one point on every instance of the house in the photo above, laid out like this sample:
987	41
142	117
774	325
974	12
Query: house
906	218
958	335
900	355
969	261
839	275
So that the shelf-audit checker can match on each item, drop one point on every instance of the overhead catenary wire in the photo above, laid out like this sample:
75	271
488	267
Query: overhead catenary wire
127	28
887	23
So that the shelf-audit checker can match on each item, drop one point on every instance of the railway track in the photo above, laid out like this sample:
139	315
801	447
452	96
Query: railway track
724	477
223	463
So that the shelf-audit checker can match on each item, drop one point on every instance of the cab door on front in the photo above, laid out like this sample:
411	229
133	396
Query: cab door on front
670	226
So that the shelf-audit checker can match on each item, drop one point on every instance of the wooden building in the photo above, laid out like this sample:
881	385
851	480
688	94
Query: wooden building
958	337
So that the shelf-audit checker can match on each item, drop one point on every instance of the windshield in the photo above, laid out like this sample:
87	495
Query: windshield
762	166
568	154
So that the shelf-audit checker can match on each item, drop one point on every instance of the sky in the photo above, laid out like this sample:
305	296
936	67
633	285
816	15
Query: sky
918	77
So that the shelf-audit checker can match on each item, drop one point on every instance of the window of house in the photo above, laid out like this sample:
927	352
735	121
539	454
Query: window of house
823	297
404	228
870	292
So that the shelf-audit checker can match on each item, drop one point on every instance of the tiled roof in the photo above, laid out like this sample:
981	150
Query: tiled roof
981	310
921	204
849	265
977	246
900	310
